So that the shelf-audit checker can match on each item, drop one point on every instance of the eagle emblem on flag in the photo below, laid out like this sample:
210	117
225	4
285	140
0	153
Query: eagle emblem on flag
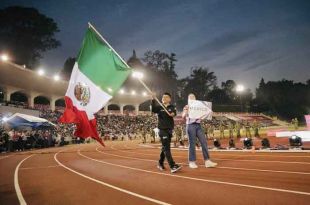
82	93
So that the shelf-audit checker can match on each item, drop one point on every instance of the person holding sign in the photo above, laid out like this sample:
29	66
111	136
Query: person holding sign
194	112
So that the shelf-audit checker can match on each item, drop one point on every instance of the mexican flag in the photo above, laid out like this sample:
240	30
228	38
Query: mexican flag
97	75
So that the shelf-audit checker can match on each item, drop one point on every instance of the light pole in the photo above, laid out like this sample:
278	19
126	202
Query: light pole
240	90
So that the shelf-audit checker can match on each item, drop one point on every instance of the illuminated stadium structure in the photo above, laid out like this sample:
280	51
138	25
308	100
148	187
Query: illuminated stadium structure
32	84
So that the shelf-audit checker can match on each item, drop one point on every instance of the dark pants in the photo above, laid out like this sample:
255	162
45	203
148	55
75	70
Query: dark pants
165	138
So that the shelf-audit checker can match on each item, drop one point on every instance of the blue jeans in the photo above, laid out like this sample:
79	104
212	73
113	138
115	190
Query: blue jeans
194	130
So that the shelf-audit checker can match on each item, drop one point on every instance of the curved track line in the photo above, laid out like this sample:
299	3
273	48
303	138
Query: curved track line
269	153
198	179
47	167
218	167
225	159
16	183
225	152
109	185
5	157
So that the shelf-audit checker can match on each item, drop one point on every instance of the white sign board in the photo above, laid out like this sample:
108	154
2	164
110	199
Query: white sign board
200	109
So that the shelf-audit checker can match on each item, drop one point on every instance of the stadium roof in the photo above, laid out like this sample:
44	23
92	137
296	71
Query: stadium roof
26	81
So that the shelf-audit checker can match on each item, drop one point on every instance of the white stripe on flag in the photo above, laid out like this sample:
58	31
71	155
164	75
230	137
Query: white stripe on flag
98	98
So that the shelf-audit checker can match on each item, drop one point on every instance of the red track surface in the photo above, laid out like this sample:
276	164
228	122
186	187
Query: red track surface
126	173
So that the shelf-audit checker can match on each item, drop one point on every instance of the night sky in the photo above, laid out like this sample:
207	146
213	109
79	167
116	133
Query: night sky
242	40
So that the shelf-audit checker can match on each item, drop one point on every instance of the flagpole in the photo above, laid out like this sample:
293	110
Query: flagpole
145	86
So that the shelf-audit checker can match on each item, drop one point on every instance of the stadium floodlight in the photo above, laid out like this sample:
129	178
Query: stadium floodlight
137	74
4	57
247	143
240	88
295	141
265	143
217	143
121	91
144	94
133	92
41	72
56	77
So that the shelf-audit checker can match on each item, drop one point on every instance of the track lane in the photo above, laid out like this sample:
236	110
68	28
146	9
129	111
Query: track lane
275	180
242	163
7	172
191	182
56	185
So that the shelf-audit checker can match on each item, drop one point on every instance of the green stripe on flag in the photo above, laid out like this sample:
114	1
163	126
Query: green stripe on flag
100	64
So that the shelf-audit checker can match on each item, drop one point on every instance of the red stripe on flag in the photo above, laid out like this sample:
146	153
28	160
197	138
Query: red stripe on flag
84	127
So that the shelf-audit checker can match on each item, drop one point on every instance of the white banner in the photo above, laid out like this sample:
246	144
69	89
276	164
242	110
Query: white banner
200	109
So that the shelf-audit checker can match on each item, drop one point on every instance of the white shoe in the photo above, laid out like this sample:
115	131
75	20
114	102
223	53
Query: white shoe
193	165
209	164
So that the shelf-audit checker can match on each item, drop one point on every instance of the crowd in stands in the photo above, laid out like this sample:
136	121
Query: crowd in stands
17	140
110	127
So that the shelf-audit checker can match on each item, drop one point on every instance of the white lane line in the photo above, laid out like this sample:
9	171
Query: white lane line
221	159
109	185
16	183
5	157
220	167
229	152
198	179
237	151
52	166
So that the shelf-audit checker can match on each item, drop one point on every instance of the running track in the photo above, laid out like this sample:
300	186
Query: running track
126	173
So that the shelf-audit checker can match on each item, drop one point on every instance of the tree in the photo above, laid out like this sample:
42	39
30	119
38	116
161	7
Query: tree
25	34
161	66
200	82
67	68
155	59
218	96
229	89
284	98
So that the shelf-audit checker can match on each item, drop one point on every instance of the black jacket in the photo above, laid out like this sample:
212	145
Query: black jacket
164	120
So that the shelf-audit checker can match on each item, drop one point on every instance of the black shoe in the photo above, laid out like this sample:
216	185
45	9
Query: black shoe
161	167
175	168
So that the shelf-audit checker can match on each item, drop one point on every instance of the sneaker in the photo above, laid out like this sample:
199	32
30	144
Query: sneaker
161	167
193	165
209	164
175	168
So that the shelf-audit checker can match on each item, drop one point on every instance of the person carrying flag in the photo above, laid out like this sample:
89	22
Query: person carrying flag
165	126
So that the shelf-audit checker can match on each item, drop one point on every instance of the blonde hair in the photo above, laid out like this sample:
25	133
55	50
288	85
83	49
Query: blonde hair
191	94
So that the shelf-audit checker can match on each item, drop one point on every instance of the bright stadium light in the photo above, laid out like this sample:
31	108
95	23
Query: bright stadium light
240	88
56	77
41	72
121	91
247	143
133	92
295	141
217	143
137	74
4	57
144	94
